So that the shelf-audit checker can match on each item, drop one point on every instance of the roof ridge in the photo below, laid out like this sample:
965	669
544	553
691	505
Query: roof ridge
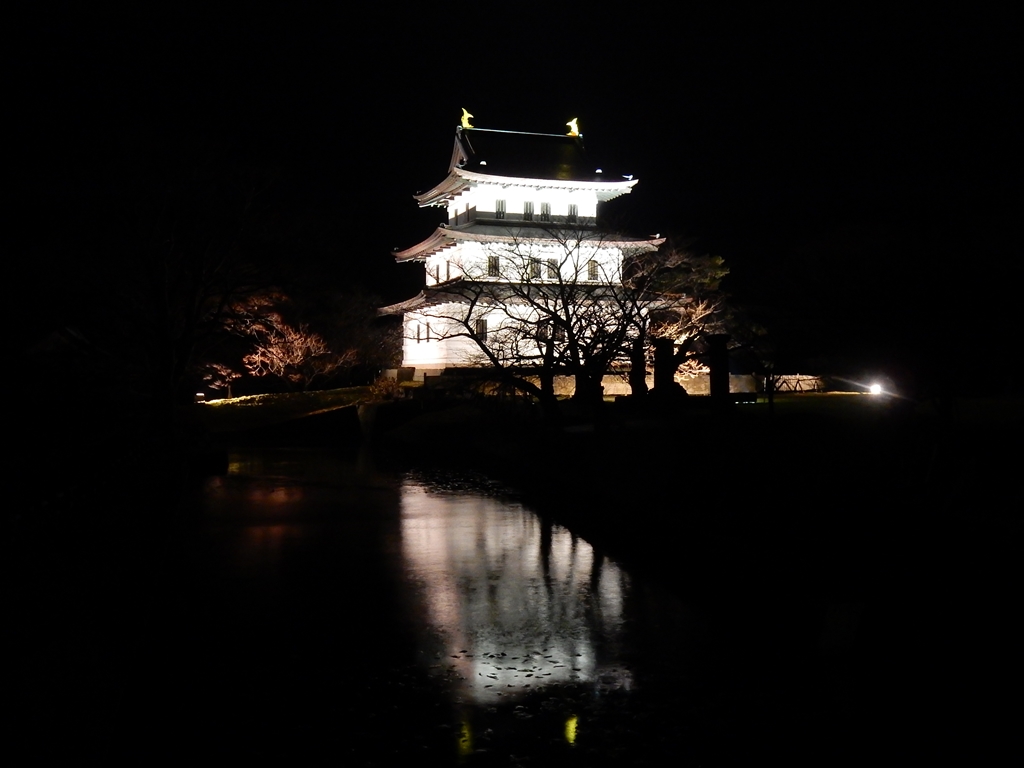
518	133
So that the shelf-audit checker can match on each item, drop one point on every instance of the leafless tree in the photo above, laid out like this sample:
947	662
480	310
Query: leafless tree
682	306
220	376
571	302
290	351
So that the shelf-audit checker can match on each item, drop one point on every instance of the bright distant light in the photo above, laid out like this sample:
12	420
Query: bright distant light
875	389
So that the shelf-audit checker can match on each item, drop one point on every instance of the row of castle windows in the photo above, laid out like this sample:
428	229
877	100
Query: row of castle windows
545	211
544	331
537	268
423	332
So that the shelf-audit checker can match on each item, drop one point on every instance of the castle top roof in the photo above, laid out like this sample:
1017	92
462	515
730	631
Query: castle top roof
522	155
483	155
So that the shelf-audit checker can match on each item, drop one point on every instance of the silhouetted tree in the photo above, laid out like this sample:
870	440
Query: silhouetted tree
673	300
580	312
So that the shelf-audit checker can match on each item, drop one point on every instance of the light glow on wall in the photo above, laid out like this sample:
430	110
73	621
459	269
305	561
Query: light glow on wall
481	196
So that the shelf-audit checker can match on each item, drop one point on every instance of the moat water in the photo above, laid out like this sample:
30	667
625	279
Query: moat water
386	617
308	607
428	613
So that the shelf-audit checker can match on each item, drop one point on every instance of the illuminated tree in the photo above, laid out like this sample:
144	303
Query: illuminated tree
220	376
292	353
677	304
287	350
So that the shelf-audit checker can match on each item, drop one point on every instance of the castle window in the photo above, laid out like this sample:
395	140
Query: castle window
552	269
545	211
544	328
574	213
592	273
428	331
480	330
499	209
419	333
535	265
527	211
493	266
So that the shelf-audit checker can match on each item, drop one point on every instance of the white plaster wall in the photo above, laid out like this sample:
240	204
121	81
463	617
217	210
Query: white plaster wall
483	197
447	344
467	259
422	352
444	348
470	259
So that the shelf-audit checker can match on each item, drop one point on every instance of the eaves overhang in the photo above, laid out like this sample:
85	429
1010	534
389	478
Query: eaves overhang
446	293
606	190
459	180
452	185
442	239
438	241
409	305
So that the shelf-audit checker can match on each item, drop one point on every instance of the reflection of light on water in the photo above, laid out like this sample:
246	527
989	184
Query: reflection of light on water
259	522
465	740
517	605
258	497
611	596
279	494
266	540
266	464
261	549
570	729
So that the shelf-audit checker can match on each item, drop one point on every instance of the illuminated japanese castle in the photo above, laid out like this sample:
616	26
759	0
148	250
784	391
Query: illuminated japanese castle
511	197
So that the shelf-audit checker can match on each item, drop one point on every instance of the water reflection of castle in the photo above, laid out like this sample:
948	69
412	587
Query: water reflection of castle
510	603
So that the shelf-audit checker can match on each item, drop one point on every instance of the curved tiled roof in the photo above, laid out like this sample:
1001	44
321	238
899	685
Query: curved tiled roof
526	155
443	238
483	155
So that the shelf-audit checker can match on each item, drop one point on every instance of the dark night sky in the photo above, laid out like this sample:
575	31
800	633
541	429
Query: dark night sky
857	172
